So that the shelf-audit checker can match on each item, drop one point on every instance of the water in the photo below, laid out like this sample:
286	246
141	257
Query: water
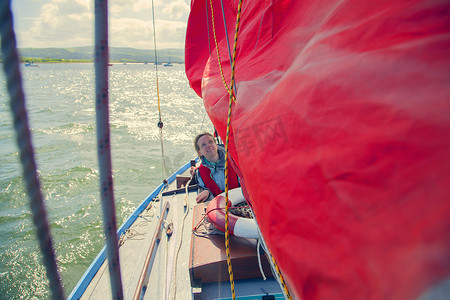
60	102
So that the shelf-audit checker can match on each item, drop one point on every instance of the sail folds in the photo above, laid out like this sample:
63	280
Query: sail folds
340	132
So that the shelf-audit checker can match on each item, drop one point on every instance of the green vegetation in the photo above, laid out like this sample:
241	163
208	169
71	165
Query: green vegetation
86	54
53	60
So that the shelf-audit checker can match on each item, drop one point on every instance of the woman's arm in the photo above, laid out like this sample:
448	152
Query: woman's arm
204	195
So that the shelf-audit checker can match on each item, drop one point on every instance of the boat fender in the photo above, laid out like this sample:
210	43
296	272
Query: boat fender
238	226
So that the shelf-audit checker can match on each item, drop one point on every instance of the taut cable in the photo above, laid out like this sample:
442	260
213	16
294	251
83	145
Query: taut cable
24	142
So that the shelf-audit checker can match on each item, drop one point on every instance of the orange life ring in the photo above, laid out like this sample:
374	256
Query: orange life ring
238	226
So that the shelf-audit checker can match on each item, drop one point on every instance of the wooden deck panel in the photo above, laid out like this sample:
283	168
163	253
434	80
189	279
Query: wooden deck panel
170	272
195	260
134	250
132	254
208	262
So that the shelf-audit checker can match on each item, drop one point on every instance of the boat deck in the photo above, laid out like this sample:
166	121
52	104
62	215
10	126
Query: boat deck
208	262
184	266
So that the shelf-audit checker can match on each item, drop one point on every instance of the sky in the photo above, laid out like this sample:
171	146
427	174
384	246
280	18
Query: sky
70	23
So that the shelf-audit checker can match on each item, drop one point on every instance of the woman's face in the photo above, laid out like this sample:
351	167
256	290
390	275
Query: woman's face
208	147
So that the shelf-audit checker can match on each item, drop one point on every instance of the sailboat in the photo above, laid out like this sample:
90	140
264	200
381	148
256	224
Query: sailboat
31	64
168	64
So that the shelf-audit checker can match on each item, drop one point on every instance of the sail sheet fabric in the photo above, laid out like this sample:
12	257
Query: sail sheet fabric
341	135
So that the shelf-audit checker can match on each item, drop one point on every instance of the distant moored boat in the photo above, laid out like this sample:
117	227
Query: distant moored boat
31	64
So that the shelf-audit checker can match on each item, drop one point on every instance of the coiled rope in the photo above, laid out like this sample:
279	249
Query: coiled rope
160	122
104	146
17	103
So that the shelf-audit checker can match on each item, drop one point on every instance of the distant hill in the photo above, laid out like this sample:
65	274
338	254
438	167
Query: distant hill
120	54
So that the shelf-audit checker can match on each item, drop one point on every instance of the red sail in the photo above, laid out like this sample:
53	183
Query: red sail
341	132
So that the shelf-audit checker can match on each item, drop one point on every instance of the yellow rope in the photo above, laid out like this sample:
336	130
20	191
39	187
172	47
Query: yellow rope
280	276
227	234
160	123
230	103
156	61
232	99
233	61
230	92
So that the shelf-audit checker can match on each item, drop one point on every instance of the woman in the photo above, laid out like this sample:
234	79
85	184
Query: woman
211	173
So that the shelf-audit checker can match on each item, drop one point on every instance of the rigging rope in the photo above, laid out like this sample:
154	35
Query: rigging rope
226	36
24	142
104	146
160	123
230	104
233	99
230	92
275	269
207	28
174	273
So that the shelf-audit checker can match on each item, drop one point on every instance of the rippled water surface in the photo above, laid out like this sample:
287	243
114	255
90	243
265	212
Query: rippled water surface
60	101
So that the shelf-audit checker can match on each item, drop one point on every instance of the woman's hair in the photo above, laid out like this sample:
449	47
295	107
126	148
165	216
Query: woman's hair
197	148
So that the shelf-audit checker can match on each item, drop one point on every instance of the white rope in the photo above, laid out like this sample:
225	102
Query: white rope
259	260
174	274
17	102
163	156
262	243
104	146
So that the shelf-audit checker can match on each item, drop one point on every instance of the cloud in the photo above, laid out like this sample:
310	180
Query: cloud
134	23
142	5
128	32
70	23
139	34
177	10
61	23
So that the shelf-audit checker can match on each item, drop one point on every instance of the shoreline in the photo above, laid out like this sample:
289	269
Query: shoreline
74	61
